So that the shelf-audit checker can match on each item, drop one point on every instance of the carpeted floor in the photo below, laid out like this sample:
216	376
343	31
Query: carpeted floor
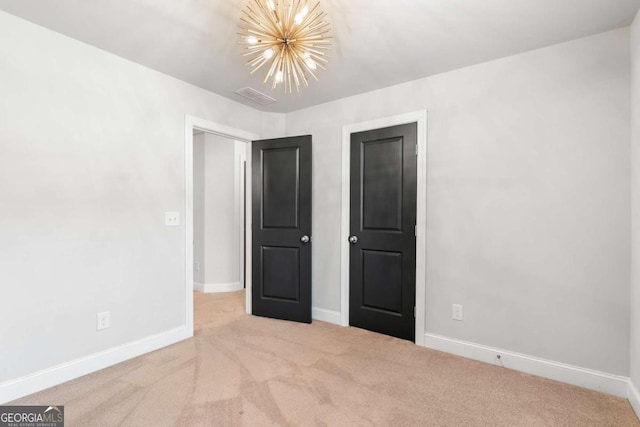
245	370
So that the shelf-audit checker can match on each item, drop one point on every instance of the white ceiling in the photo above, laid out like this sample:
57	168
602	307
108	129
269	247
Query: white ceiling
376	43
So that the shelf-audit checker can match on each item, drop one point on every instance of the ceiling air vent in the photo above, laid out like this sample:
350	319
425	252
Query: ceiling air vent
255	96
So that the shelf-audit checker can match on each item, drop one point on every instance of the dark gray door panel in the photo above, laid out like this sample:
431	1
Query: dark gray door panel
382	223
281	270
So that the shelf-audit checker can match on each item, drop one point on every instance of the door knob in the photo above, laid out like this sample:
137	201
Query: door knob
353	239
305	239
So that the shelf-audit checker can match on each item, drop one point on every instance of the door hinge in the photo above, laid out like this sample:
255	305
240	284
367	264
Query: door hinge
416	149
414	311
415	230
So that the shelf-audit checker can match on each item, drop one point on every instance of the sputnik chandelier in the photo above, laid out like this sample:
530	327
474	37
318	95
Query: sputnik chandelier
287	36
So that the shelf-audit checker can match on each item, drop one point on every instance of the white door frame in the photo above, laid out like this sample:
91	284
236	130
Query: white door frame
419	117
192	123
240	155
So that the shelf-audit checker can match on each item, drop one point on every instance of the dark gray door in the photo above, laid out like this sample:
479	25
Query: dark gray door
382	259
281	253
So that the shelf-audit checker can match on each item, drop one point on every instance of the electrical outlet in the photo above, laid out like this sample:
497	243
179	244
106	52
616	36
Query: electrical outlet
456	312
104	320
172	219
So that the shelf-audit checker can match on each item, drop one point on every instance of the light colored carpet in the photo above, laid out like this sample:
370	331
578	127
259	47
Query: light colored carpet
245	370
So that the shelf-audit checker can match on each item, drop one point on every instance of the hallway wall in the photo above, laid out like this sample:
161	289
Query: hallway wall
635	215
198	208
221	234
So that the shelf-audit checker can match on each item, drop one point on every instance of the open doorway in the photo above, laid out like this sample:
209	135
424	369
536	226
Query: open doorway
219	226
218	213
240	161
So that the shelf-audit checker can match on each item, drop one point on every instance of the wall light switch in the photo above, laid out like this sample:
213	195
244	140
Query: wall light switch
172	219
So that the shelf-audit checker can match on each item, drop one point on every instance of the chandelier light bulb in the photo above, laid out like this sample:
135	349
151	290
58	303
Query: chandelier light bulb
287	39
311	63
300	15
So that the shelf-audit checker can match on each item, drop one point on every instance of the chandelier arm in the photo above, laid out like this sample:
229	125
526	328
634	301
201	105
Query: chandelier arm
309	70
315	39
309	29
312	49
285	71
265	8
276	16
292	69
255	27
321	66
295	75
248	19
270	72
295	10
318	19
251	17
288	20
319	61
322	33
259	53
309	17
255	60
279	69
282	70
257	67
313	17
255	16
321	28
267	18
301	73
296	64
288	71
253	48
258	33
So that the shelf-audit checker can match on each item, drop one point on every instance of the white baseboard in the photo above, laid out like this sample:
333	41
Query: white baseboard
582	377
325	315
634	398
213	288
37	381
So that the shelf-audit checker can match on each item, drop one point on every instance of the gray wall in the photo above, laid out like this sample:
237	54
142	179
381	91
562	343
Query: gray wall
198	208
635	204
528	212
91	156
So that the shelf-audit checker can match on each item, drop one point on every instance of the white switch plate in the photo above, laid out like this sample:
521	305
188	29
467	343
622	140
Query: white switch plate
172	219
104	320
196	266
456	312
